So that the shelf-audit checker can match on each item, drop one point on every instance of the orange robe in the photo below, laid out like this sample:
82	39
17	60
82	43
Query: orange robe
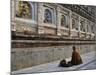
76	58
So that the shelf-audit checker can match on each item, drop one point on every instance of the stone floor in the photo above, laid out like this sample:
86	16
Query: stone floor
89	63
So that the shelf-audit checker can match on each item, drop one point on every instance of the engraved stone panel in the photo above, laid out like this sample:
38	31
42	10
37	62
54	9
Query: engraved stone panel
82	35
74	34
64	32
50	31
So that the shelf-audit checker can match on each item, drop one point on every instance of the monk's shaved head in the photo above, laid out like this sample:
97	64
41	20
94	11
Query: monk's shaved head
74	48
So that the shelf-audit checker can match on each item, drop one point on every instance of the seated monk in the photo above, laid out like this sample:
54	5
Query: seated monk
76	58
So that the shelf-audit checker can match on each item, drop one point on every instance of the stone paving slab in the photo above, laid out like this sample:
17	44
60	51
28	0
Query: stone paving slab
89	62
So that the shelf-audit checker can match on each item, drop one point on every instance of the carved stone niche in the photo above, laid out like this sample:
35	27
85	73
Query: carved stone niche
82	24
24	10
75	22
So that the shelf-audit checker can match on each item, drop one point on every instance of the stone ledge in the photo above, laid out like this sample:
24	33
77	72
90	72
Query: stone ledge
45	43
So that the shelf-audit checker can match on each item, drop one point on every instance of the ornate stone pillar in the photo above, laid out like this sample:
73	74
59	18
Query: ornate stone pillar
70	25
12	9
94	28
40	18
58	21
33	13
79	24
79	29
95	31
85	26
85	29
13	12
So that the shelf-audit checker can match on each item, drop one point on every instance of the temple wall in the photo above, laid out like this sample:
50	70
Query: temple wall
38	26
30	44
27	57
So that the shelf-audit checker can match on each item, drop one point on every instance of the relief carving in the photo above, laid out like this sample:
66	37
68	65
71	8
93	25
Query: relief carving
24	10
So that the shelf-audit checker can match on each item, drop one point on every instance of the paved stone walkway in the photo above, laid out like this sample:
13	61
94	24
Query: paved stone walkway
89	62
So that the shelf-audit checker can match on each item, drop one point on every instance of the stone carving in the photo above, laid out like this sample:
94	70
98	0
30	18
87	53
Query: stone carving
63	20
74	22
49	31
47	16
92	28
87	26
82	27
24	10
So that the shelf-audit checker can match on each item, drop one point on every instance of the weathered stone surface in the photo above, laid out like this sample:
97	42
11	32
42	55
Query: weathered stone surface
26	57
22	57
89	63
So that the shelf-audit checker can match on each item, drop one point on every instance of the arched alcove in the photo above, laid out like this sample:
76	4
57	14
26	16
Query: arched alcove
24	10
63	20
47	16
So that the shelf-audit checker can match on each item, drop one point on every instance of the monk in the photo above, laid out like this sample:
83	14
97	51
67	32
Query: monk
76	58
